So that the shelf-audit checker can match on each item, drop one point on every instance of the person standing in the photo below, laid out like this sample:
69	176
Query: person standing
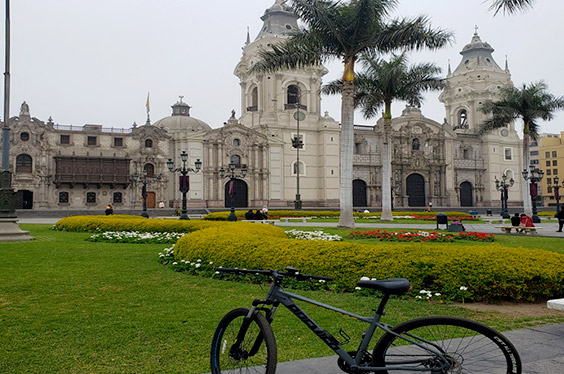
109	210
560	216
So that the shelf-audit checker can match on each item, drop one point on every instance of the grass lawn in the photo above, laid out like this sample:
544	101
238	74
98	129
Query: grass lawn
71	306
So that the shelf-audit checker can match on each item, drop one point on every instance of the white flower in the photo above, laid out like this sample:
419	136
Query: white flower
437	294
198	265
462	288
364	279
357	288
175	263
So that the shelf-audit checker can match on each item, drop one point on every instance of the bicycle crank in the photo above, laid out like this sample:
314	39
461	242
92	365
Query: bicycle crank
365	360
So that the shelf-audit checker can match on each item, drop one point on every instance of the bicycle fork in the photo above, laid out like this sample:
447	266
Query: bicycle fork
235	351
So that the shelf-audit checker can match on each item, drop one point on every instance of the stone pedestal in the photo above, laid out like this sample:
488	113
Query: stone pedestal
11	232
557	304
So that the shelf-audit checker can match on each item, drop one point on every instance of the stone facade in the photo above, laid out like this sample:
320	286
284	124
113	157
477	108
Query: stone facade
441	163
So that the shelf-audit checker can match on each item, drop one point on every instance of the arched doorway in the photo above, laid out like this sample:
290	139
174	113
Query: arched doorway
359	193
466	194
23	199
239	196
415	184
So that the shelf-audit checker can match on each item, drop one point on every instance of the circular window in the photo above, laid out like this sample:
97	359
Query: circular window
289	27
504	132
236	142
24	136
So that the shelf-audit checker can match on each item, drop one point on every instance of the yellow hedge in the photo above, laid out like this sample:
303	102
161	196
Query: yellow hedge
130	223
490	272
222	216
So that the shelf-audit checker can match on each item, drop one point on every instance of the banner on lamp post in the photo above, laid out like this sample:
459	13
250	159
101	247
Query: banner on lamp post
184	183
534	190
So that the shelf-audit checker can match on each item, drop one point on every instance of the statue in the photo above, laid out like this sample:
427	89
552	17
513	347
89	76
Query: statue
24	109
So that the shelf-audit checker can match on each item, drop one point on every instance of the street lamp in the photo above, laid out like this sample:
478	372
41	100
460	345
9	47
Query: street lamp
534	175
503	186
144	181
232	176
184	179
556	187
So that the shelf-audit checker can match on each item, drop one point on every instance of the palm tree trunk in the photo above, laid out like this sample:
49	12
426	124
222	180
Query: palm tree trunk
346	219
526	192
387	171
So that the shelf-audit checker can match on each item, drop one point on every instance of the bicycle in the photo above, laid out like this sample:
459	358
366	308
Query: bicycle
244	341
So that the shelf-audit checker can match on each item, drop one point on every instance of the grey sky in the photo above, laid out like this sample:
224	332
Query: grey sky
94	61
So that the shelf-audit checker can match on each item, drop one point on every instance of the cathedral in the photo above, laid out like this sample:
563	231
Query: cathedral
281	148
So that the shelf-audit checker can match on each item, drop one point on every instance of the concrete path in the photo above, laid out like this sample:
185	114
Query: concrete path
541	350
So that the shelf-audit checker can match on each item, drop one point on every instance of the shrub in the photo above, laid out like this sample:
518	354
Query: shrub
490	272
129	223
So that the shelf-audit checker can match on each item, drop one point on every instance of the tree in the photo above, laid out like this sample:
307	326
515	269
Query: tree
510	6
528	103
344	30
378	85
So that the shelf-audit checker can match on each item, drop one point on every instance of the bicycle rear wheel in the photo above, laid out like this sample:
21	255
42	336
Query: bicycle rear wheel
256	353
468	346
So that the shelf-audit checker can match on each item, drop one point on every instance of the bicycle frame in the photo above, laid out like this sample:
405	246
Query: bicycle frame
277	295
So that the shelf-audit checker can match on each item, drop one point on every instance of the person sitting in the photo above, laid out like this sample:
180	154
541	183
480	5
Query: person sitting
249	215
515	220
259	216
458	223
526	221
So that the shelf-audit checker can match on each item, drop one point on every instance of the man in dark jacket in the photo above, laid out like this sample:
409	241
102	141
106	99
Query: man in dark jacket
560	216
515	220
249	215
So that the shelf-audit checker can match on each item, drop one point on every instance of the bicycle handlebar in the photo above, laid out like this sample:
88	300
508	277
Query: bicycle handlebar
290	272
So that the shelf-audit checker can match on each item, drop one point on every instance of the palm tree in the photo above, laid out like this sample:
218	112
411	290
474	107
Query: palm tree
510	6
529	103
378	85
342	30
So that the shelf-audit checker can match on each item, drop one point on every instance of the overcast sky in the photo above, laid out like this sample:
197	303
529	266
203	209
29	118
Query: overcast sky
94	61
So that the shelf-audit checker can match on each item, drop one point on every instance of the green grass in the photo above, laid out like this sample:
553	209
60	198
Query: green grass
71	306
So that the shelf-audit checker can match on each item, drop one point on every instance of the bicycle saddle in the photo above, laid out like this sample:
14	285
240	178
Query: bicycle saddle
394	286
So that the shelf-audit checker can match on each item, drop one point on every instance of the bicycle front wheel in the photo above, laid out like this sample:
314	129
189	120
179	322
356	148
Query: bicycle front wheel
468	347
255	353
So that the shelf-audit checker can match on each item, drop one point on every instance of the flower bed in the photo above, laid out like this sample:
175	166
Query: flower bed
136	237
420	236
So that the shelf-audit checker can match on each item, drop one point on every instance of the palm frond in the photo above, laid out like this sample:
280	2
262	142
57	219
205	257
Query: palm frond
415	33
510	6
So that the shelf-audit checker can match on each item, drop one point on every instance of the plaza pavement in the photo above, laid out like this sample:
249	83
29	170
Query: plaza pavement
541	348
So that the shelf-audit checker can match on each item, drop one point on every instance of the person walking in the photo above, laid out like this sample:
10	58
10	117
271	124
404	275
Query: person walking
560	216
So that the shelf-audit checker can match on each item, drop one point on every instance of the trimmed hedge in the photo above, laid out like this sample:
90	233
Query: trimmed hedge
490	272
130	223
274	214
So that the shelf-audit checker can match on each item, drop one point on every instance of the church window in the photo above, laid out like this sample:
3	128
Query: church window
149	170
24	136
91	198
293	95
289	27
118	142
65	139
148	143
463	119
466	154
91	140
117	197
23	163
236	142
508	154
63	197
357	148
235	159
295	168
415	144
254	98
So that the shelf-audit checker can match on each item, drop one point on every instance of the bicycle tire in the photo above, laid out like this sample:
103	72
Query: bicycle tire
224	362
470	347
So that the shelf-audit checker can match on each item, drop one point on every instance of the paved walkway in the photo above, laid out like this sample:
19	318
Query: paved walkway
541	350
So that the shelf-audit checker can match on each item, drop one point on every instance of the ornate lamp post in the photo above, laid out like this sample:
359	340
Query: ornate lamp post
503	186
556	188
298	144
534	175
232	176
184	181
144	181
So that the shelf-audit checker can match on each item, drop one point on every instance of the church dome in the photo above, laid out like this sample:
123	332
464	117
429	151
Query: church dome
278	20
181	120
477	54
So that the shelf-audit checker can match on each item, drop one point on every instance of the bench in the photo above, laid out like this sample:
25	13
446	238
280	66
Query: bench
507	229
266	221
474	213
287	219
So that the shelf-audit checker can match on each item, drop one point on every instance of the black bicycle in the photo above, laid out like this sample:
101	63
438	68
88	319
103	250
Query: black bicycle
244	341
